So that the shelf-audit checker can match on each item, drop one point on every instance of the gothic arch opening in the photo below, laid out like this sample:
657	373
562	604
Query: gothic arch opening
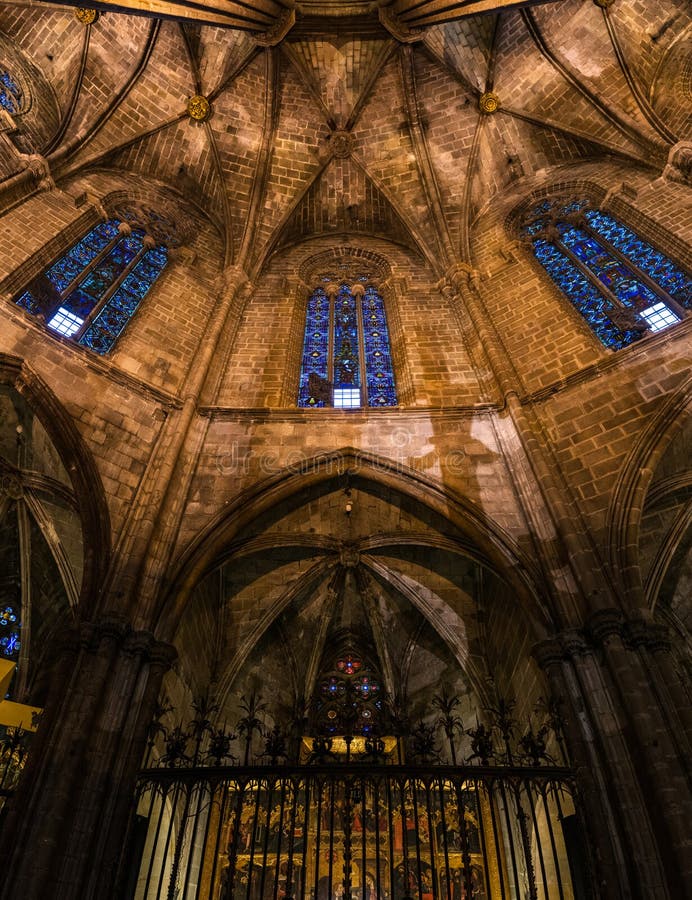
350	627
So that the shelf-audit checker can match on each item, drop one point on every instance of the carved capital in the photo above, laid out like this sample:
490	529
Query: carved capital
548	653
462	274
39	168
111	628
606	623
232	279
574	643
653	636
143	644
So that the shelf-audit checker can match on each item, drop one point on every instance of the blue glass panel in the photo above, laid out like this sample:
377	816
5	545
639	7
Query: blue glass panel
379	372
68	267
63	272
315	347
657	266
9	632
109	323
10	93
617	277
27	302
595	308
85	297
346	361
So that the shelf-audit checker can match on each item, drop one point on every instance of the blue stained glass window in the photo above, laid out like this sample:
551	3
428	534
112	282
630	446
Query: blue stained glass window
616	258
102	278
102	334
315	348
657	266
9	632
346	355
378	359
346	349
68	267
617	277
11	98
583	295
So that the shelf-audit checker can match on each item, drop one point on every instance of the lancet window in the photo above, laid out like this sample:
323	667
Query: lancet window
92	291
620	284
347	360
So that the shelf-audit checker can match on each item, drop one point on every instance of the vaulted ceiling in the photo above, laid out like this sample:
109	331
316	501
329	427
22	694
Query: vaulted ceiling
342	128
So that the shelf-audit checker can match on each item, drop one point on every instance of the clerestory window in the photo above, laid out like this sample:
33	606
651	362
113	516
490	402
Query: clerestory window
620	284
92	291
347	360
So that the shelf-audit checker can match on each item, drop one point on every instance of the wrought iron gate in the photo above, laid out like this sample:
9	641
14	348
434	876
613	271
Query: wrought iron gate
355	831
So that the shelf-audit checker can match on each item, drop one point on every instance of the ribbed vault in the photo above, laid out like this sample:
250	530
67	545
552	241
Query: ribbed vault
344	129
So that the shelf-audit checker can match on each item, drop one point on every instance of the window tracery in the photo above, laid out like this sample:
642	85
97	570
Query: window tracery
92	291
620	284
349	699
347	360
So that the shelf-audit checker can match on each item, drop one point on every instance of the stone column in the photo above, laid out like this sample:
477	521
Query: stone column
66	824
624	757
598	815
655	756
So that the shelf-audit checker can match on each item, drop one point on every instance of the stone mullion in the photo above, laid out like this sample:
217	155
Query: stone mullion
123	231
149	244
300	292
642	276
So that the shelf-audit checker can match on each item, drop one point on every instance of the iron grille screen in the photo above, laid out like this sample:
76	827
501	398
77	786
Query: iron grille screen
424	834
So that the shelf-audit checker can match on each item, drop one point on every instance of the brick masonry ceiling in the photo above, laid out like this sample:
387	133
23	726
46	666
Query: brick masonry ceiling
341	128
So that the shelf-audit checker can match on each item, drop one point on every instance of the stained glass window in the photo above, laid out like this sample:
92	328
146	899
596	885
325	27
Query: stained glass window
620	284
9	632
11	98
347	361
92	291
349	699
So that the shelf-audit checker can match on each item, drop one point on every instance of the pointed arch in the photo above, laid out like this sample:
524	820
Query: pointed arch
627	502
80	467
289	486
